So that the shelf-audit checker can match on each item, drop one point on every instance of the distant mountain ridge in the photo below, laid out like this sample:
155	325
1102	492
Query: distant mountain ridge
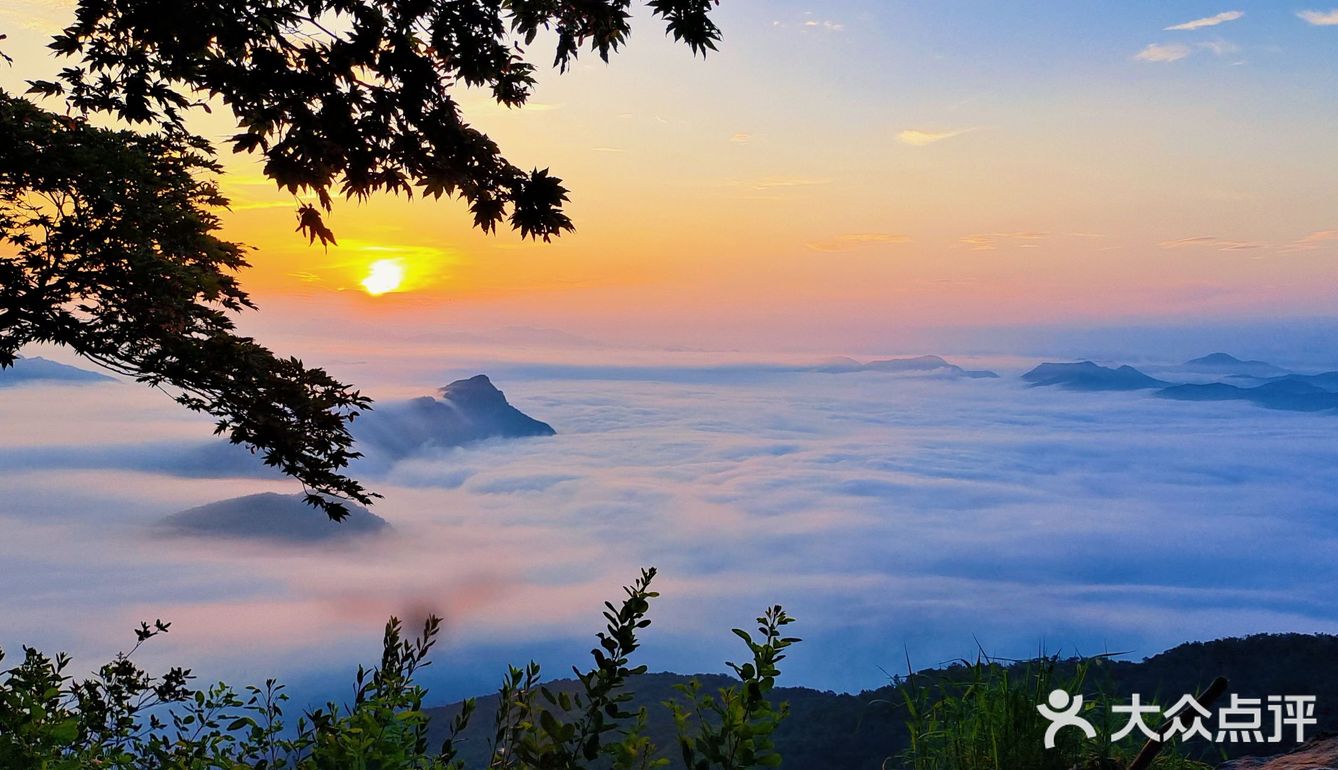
273	517
924	364
466	411
1225	363
859	732
1274	387
1085	375
1297	393
1326	380
38	369
928	364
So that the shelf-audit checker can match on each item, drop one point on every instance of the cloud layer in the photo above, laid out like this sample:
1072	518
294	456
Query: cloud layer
886	513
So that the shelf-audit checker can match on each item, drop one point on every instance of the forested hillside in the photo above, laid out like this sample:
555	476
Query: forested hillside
860	732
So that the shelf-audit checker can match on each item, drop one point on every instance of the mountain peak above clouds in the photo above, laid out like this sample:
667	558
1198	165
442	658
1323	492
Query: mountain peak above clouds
465	411
913	364
1086	375
474	392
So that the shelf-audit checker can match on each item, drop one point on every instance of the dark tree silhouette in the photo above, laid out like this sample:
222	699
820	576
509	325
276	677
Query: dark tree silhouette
108	243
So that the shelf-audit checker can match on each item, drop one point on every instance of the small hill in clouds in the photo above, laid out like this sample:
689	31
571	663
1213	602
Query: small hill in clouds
1296	393
271	517
1227	364
1086	375
1327	380
916	364
465	411
41	370
921	365
1253	382
932	364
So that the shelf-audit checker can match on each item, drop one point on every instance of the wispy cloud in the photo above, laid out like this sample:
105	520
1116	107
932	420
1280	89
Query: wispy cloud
253	205
1220	47
772	187
825	24
1320	18
1208	21
479	103
742	137
45	17
1164	52
809	22
1211	242
1170	52
992	241
853	241
918	138
782	182
1313	241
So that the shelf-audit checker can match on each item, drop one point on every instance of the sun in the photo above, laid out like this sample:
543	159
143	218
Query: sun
383	276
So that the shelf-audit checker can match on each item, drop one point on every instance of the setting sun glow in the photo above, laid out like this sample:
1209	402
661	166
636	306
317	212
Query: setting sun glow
383	276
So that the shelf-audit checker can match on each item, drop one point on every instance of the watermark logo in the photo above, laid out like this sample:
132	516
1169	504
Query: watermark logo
1274	719
1063	712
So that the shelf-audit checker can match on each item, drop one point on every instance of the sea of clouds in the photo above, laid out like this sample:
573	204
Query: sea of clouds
897	517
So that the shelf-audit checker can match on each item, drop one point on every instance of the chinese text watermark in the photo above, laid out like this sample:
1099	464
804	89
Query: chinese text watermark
1273	719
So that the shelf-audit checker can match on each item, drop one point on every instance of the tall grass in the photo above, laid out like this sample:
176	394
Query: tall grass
983	716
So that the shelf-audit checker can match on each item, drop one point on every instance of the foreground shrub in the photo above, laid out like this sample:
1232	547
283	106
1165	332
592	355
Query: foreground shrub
122	717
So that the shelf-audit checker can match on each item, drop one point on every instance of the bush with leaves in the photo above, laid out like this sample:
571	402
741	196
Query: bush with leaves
123	718
733	730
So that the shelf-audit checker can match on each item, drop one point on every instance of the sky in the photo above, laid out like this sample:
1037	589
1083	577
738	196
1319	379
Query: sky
845	174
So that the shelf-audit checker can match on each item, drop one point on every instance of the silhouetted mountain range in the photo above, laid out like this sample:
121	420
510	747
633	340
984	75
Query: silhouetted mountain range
41	370
917	365
859	732
1297	393
273	517
1227	364
1293	392
924	364
467	410
1086	375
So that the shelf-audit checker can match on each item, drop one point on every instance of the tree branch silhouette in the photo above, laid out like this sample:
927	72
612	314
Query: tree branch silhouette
113	243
